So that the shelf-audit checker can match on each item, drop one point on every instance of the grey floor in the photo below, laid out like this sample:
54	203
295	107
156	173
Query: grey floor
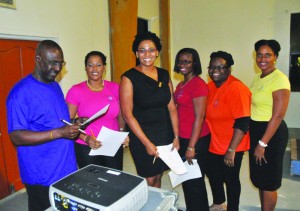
288	194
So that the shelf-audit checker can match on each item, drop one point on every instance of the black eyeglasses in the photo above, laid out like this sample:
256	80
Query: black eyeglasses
185	62
219	68
54	63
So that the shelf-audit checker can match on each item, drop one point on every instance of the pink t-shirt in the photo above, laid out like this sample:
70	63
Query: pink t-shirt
89	102
184	95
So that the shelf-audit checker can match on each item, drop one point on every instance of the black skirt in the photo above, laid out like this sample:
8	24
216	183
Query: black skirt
267	176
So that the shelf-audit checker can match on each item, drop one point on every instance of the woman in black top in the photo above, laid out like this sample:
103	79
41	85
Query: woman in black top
147	104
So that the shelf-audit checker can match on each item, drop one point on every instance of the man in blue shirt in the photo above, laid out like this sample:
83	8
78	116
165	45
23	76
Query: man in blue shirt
35	107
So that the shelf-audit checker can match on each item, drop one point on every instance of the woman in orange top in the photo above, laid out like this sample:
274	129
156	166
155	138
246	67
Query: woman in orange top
228	115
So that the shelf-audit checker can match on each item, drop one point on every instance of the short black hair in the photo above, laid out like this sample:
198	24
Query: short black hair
273	44
197	70
224	55
146	36
47	44
95	53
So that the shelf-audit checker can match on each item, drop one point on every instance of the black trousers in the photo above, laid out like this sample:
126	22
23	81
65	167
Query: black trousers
194	190
218	174
38	197
83	158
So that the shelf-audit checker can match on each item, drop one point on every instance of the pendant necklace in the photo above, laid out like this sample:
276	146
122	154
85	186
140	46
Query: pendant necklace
183	85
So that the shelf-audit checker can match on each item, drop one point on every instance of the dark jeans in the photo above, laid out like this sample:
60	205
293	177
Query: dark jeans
195	194
38	197
218	174
83	158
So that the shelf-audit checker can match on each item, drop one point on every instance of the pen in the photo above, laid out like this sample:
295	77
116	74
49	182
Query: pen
68	123
92	134
155	157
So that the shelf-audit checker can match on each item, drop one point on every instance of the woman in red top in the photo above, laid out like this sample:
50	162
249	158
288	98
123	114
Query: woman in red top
228	115
190	97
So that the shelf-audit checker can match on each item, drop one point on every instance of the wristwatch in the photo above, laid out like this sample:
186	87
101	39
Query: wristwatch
261	143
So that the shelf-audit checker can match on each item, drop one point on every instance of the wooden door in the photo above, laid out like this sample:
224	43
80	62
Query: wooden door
164	23
123	28
16	61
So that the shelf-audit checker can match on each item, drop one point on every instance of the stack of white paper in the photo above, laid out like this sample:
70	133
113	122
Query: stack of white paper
111	141
193	172
171	158
96	115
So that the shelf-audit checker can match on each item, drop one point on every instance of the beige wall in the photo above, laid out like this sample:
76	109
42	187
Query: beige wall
234	26
206	25
78	26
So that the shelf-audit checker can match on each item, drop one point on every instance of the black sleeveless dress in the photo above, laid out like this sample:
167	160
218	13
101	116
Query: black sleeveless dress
150	100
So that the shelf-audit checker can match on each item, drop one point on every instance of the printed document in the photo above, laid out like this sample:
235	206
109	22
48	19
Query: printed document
171	158
111	141
193	172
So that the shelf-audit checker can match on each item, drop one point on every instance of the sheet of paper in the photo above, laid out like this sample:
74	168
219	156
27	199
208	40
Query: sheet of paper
111	141
99	113
171	158
193	172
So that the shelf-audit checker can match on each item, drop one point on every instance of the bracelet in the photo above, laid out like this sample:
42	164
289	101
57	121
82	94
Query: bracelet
191	148
231	150
121	129
84	139
51	135
261	143
176	137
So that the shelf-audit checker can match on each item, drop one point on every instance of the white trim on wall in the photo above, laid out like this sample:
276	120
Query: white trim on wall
25	37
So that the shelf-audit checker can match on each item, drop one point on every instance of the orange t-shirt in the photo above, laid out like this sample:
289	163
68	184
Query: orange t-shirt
225	104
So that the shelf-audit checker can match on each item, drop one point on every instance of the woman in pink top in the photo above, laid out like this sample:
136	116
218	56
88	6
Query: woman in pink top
190	97
87	98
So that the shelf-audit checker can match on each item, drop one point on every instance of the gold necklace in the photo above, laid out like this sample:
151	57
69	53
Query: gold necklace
183	85
87	83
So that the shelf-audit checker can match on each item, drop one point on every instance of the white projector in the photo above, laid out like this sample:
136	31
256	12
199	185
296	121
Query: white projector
99	188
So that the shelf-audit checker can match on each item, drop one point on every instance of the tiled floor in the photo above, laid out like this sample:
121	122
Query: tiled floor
288	194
